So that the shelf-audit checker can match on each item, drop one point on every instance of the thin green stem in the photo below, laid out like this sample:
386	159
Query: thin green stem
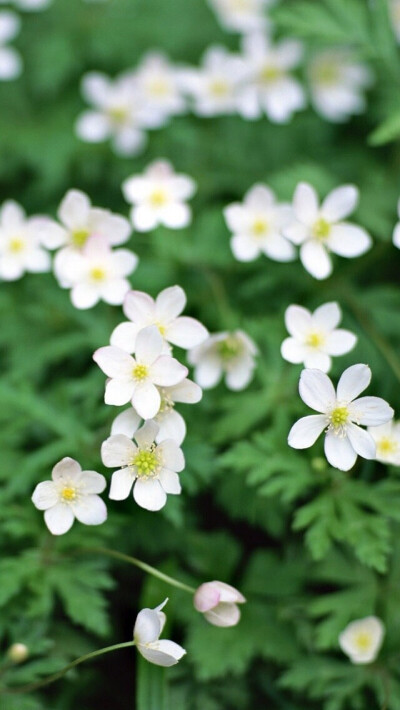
52	678
141	565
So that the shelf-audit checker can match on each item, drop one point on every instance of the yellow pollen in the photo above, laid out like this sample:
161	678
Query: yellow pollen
16	245
321	229
270	73
158	87
68	493
166	403
219	88
387	445
229	348
161	328
97	273
363	641
140	372
146	463
79	237
338	417
315	340
158	198
260	227
118	114
325	73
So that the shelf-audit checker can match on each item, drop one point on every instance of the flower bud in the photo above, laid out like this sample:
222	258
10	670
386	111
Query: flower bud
218	602
18	652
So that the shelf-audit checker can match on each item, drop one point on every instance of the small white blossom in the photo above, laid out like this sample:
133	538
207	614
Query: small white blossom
387	441
164	312
152	469
341	414
337	83
257	226
241	15
71	494
158	83
136	380
361	640
95	273
315	336
321	229
148	627
229	354
218	86
159	197
10	61
20	243
394	6
219	603
171	425
118	113
272	89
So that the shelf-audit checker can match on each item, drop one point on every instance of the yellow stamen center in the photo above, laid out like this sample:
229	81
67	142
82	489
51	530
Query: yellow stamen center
158	198
315	340
146	463
118	114
140	372
386	446
321	229
161	328
325	73
363	641
337	420
68	493
79	237
158	87
270	73
97	273
219	88
166	403
260	227
16	245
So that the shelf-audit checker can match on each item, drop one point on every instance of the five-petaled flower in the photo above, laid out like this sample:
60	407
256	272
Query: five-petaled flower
71	494
146	633
219	603
231	354
21	245
361	640
151	468
315	336
340	415
387	441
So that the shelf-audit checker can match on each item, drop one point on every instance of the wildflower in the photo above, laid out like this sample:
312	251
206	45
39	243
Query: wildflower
135	380
321	230
315	337
218	86
151	468
257	226
20	243
10	61
95	273
171	424
241	15
387	441
218	602
148	627
272	89
71	494
159	197
341	414
164	312
362	639
337	83
158	83
231	354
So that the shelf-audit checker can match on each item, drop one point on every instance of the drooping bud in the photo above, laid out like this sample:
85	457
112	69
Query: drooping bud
218	602
18	652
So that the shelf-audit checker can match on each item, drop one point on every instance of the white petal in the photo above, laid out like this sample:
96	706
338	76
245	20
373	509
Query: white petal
170	481
66	469
144	219
348	240
353	381
84	296
59	519
124	336
167	371
12	215
339	342
10	63
114	362
306	431
92	127
316	390
117	450
236	217
239	375
119	391
327	316
396	236
208	372
296	232
92	482
162	653
121	484
147	626
361	441
45	495
146	400
126	423
185	391
129	141
186	332
171	455
149	494
278	248
224	615
172	426
170	304
298	321
75	209
340	203
315	259
115	290
245	248
10	25
293	351
371	411
10	268
90	510
305	203
49	233
139	307
315	359
149	344
145	436
176	216
339	452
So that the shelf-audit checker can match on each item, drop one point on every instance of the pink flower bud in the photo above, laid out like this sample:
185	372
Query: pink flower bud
218	602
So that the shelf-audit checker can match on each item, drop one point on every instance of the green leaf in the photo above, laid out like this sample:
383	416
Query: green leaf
151	686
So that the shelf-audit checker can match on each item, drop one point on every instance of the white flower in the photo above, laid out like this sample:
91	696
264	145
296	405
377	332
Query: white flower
321	229
341	413
95	273
241	15
164	312
257	226
148	627
135	380
362	639
396	233
272	89
158	83
71	494
218	87
231	354
159	197
30	5
10	61
119	113
315	336
394	6
152	469
387	441
171	424
218	602
20	243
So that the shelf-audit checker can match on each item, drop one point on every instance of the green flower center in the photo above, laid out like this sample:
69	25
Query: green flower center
321	229
229	348
146	462
79	237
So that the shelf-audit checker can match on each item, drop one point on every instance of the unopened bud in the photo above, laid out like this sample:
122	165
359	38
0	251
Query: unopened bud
218	602
18	652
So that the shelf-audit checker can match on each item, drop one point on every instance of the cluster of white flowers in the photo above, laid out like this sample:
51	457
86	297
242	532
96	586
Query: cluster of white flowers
10	60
